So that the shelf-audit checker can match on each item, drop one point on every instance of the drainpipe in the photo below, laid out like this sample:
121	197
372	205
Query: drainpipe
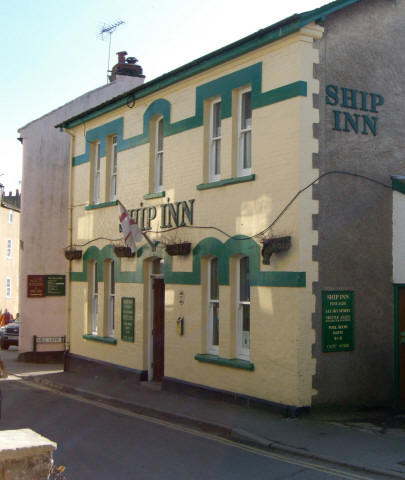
70	236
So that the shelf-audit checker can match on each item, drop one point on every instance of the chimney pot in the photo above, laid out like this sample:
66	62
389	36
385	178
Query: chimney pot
121	56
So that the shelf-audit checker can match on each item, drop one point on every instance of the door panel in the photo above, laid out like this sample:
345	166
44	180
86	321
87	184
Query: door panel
401	347
158	332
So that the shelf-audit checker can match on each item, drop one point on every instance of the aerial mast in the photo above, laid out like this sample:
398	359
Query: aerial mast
109	29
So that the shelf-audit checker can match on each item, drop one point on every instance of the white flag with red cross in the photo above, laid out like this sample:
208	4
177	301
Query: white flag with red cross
132	233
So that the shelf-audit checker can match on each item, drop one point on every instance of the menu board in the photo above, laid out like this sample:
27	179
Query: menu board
55	285
128	319
36	286
337	320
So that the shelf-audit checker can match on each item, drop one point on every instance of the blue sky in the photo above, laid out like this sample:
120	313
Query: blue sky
52	51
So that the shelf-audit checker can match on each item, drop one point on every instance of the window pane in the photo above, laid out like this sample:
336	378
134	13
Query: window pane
214	293
112	278
244	292
160	135
215	324
246	149
216	121
246	318
246	111
95	281
157	266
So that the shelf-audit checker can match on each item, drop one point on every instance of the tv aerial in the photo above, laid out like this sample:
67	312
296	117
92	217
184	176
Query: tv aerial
109	29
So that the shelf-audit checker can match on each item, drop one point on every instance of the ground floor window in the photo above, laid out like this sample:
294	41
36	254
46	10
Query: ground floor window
243	308
213	306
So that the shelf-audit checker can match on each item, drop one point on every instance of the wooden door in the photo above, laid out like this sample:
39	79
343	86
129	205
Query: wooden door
158	331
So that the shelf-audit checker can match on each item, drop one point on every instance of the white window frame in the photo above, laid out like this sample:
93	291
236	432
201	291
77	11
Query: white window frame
9	253
110	291
94	298
113	169
242	351
244	135
215	141
96	172
158	157
211	304
8	287
10	216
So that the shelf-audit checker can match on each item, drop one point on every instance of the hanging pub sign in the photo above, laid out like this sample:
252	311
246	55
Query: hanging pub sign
337	320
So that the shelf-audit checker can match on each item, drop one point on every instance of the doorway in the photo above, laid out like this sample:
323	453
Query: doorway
158	329
401	346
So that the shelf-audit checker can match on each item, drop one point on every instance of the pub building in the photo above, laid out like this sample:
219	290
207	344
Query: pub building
269	179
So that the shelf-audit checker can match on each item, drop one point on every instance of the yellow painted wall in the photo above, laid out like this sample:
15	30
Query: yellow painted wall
282	149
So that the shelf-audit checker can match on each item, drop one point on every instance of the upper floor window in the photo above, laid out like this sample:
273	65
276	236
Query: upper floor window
10	216
213	307
158	157
9	252
96	172
243	309
8	287
113	168
215	141
244	133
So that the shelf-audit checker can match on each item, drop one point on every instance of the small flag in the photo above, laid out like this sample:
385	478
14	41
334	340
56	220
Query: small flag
132	233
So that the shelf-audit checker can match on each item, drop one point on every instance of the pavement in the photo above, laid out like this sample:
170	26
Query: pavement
370	441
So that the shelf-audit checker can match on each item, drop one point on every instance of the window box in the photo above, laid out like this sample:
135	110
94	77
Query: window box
73	254
123	252
178	248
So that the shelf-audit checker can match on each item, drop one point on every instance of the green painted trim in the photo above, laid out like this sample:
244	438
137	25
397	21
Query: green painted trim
238	245
225	362
398	183
150	196
101	205
226	181
223	87
96	338
252	42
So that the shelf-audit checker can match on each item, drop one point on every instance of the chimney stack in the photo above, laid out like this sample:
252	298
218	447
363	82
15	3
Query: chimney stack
126	67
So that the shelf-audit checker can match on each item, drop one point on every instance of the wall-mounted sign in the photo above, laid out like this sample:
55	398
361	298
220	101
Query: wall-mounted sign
36	286
128	319
55	285
337	320
176	214
46	285
354	100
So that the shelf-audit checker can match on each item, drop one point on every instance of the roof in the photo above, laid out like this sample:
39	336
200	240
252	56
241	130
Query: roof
262	37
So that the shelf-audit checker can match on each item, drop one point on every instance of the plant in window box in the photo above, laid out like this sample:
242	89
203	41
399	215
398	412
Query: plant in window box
123	251
71	253
274	245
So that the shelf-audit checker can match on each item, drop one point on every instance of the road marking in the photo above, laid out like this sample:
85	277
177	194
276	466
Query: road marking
208	436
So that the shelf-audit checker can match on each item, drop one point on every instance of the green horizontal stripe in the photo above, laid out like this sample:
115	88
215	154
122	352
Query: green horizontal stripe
226	181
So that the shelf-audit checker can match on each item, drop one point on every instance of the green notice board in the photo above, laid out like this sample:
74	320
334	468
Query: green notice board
55	285
128	319
337	320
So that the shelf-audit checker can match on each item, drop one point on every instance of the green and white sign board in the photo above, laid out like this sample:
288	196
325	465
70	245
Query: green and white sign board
128	319
337	320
